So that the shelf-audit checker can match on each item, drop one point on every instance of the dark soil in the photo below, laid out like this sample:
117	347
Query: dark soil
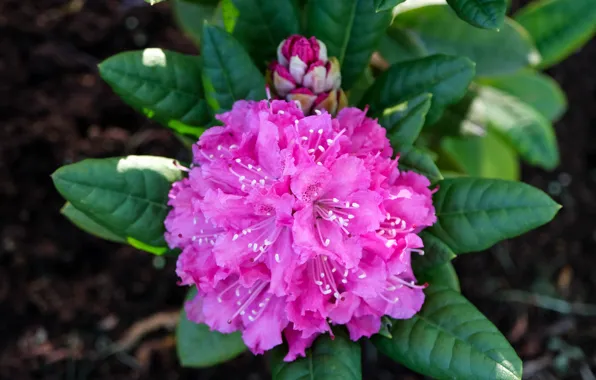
65	297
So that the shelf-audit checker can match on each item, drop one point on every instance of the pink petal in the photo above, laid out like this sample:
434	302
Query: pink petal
367	326
296	343
348	175
194	309
310	182
264	333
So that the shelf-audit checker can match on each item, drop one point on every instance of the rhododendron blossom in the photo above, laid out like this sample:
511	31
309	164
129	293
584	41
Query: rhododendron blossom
289	224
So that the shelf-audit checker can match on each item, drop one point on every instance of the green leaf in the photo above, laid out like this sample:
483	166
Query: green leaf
451	339
398	45
163	85
559	27
387	5
415	159
405	121
361	86
534	88
199	347
229	74
439	30
126	195
532	136
445	77
487	14
230	14
351	29
327	359
441	275
190	16
436	253
263	24
151	2
85	223
473	214
486	156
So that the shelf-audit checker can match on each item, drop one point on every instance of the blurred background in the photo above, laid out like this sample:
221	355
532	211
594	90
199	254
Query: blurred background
76	307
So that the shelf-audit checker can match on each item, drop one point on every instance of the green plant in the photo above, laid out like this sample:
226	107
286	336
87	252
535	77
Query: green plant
457	88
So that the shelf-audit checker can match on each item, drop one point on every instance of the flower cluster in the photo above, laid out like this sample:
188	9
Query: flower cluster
304	74
289	224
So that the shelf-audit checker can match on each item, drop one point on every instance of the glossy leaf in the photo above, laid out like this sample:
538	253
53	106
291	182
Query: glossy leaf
163	85
533	88
387	5
85	223
229	14
405	121
198	347
263	24
229	74
436	253
191	15
398	45
485	156
151	2
473	214
487	14
416	160
361	86
445	77
126	195
439	30
559	27
327	359
351	29
441	275
526	130
451	339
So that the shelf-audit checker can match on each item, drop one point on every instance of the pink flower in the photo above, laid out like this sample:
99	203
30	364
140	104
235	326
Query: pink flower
304	74
290	224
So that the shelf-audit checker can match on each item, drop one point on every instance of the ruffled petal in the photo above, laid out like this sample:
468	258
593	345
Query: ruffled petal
264	332
297	344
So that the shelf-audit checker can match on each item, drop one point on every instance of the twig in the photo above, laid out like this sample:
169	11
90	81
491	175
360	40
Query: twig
143	327
378	62
548	303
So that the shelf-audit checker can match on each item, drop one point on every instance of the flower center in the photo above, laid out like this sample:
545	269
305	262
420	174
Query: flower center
335	211
268	233
249	176
330	276
395	283
317	147
253	300
392	226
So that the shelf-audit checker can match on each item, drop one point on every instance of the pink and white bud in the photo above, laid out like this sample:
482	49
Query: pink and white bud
309	50
333	79
304	97
297	68
283	81
332	101
303	73
316	77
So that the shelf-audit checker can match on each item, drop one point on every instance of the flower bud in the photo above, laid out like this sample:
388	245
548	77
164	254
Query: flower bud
303	73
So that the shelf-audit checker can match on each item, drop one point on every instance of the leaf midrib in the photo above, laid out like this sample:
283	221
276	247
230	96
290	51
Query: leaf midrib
221	68
348	34
442	329
473	211
144	200
152	81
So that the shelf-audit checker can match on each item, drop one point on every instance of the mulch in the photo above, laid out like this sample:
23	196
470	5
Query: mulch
67	300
